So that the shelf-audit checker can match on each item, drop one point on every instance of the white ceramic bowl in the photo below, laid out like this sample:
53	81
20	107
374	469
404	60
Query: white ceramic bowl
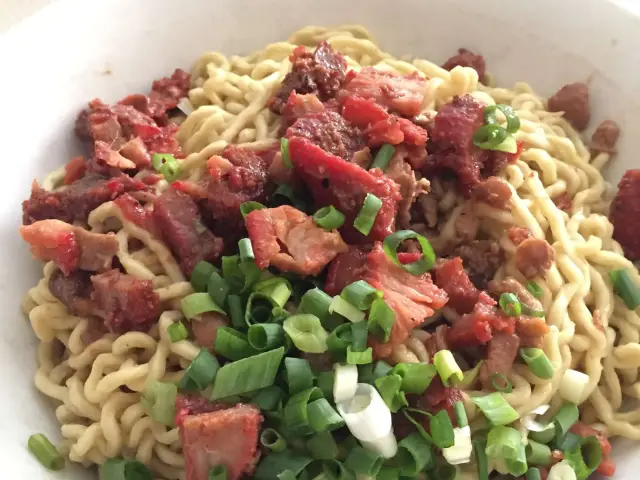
56	61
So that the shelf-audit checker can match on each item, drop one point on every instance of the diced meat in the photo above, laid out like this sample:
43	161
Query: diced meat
329	131
518	234
107	156
177	217
164	141
194	404
493	191
401	173
481	259
413	298
69	246
511	285
125	302
205	328
74	202
362	112
501	355
73	290
531	331
573	100
563	202
478	327
345	269
321	73
298	106
291	241
167	92
402	94
605	137
466	58
625	212
534	257
453	279
438	397
136	213
74	170
437	341
451	148
607	466
226	437
334	181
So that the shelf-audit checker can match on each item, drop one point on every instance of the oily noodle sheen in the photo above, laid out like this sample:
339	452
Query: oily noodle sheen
100	420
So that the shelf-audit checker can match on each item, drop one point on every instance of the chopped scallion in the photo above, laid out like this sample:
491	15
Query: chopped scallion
159	401
197	304
232	344
380	320
423	264
284	151
271	439
415	454
329	218
299	374
265	336
416	377
510	304
247	207
360	294
566	417
200	275
167	165
340	306
383	157
625	288
368	213
501	383
120	469
496	408
534	289
177	332
538	362
306	332
46	453
447	367
201	372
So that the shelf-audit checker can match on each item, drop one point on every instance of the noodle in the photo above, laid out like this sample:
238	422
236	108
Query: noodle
97	387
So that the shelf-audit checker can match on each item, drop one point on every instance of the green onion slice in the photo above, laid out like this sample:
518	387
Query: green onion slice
389	389
167	165
338	341
323	446
364	462
441	429
322	416
534	289
625	288
447	367
218	472
265	336
232	344
236	311
296	411
510	304
392	243
537	453
566	417
513	122
239	275
359	358
299	374
201	372
46	453
416	377
306	332
505	443
217	288
482	461
200	275
380	320
414	455
197	304
317	302
247	207
501	383
247	375
275	463
496	409
271	439
284	150
533	474
159	400
120	469
340	306
368	213
584	457
383	157
360	294
177	332
329	218
538	362
268	398
246	250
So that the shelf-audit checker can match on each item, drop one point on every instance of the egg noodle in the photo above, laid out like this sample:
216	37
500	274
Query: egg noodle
99	419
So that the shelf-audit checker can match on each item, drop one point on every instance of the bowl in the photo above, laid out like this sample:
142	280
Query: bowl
75	50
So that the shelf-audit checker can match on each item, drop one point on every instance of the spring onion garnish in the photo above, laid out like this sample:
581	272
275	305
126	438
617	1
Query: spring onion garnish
200	275
265	336
368	418
534	289
538	362
533	474
322	446
496	408
537	453
201	372
246	249
274	464
120	469
218	472
159	400
469	376
392	243
381	319
546	435
569	442
501	383
247	375
416	377
217	288
328	218
345	382
505	444
383	157
625	288
306	332
272	440
339	339
269	398
46	453
197	304
573	385
482	461
380	369
364	462
240	275
415	454
513	122
584	457
389	388
460	451
562	471
565	418
322	416
296	411
447	367
232	344
360	294
368	213
298	374
284	151
510	304
316	302
442	429
528	421
177	332
236	311
247	207
444	471
167	165
359	358
340	306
